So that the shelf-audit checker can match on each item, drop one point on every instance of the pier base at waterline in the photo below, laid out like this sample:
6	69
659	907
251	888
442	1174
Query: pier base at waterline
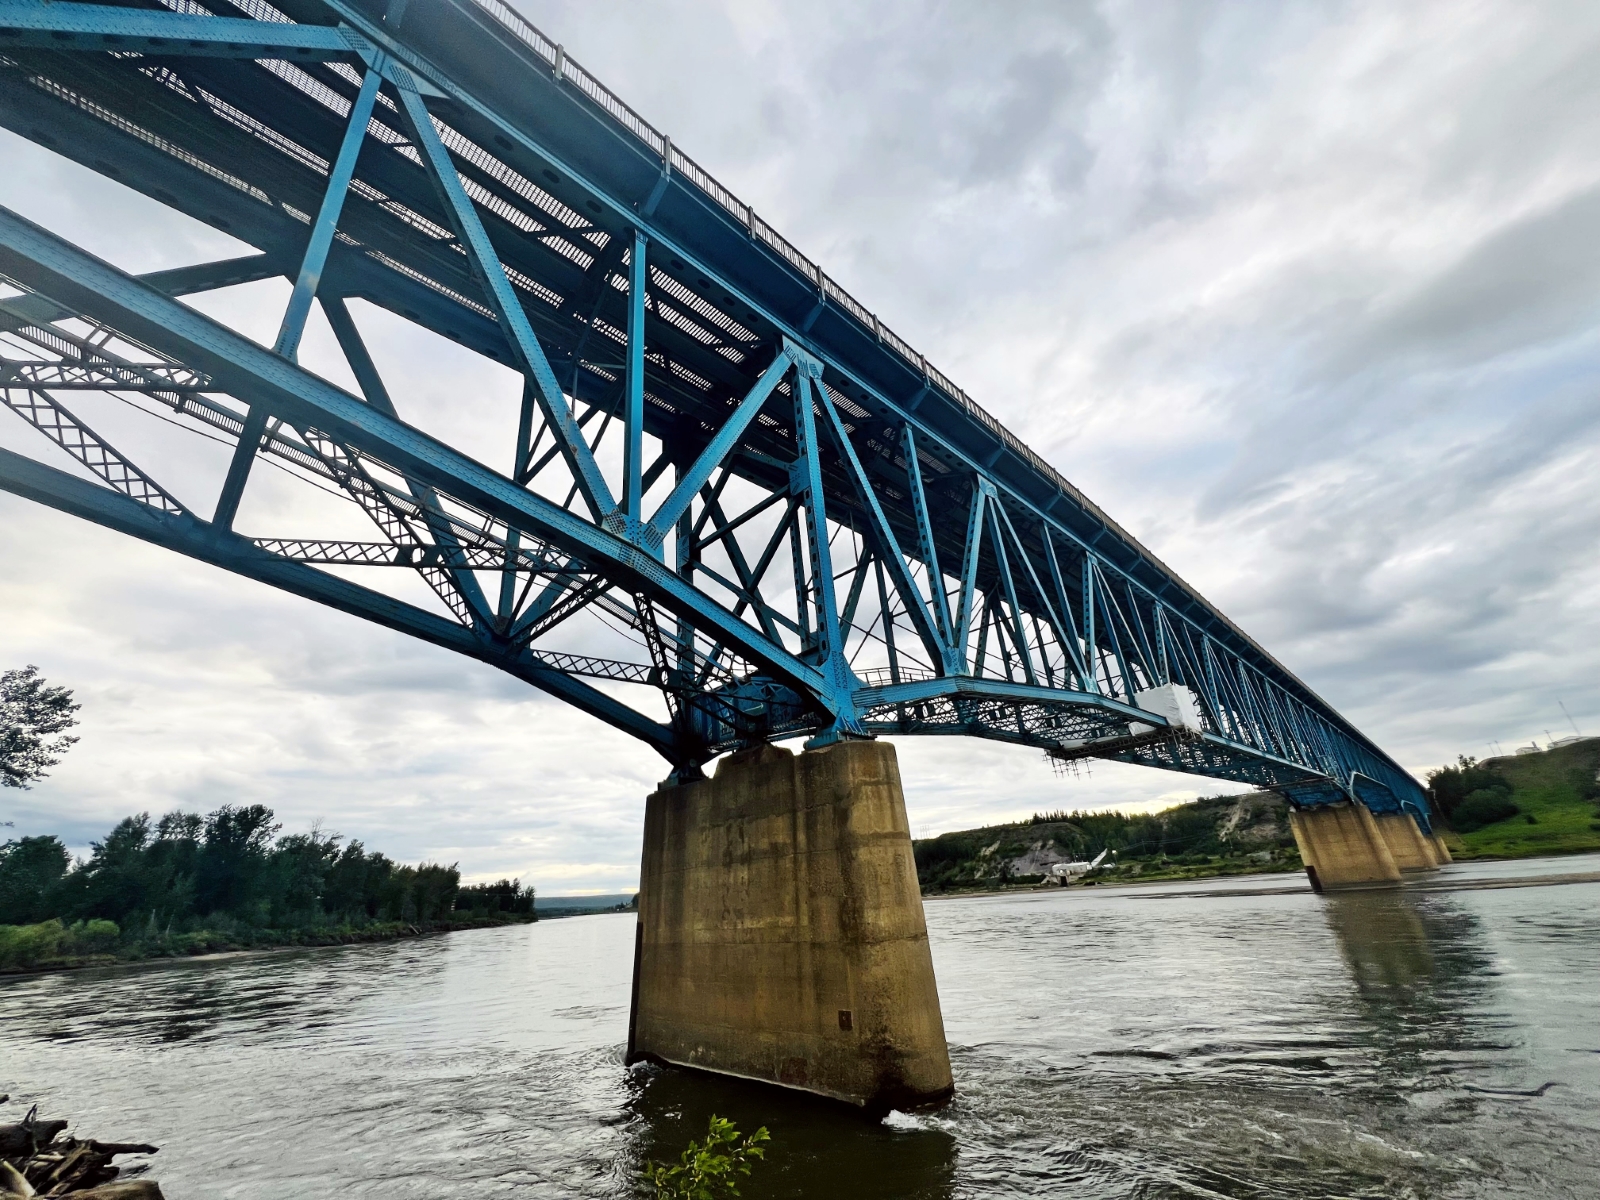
1342	847
781	934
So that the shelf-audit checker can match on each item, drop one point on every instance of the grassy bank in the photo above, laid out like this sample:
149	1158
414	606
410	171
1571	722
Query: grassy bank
56	945
1557	798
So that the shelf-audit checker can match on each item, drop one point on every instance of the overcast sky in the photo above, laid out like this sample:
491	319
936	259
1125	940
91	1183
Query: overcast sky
1305	295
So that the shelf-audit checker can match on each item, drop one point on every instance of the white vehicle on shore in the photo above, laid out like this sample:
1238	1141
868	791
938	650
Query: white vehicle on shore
1061	874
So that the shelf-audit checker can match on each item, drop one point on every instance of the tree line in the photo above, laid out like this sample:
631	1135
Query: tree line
185	872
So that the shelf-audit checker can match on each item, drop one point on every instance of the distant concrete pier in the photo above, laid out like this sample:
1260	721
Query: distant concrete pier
781	932
1347	845
1342	846
1411	849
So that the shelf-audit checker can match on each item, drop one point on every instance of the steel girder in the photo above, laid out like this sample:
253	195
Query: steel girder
812	531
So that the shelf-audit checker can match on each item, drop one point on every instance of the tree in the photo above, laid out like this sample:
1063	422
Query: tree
34	718
233	857
1470	795
30	870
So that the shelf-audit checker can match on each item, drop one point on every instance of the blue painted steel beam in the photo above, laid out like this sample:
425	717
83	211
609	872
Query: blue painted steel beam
807	486
720	446
183	533
327	222
633	383
376	394
244	456
927	543
57	26
880	531
508	309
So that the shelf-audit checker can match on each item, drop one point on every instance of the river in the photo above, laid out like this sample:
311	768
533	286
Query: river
1226	1039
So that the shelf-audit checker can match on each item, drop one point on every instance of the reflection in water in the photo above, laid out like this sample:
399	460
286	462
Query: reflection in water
1141	1044
1383	941
1424	973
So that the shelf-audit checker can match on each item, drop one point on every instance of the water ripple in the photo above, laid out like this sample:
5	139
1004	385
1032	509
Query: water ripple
1250	1046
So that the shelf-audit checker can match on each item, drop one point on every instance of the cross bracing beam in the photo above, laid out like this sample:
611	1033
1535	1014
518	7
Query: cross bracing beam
335	552
57	25
24	477
837	511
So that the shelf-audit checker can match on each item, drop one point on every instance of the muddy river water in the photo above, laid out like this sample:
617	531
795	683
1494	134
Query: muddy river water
1237	1038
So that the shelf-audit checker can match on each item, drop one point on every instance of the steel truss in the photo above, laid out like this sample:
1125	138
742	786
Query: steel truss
811	531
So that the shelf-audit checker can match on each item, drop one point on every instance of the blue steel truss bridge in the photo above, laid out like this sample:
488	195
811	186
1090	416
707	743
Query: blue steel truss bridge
736	507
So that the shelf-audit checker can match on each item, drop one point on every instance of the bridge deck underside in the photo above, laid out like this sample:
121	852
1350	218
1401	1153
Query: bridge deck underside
736	508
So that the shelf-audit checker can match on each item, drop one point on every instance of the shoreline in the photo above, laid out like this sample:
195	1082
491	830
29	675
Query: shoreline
103	961
1420	881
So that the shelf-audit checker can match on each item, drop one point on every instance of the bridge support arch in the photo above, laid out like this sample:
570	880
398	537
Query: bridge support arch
781	933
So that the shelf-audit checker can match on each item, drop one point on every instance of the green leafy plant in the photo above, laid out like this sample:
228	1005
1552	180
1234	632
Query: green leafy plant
710	1169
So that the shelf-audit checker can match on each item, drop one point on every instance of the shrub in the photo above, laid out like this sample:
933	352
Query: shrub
27	945
710	1169
1483	807
24	946
1452	787
94	937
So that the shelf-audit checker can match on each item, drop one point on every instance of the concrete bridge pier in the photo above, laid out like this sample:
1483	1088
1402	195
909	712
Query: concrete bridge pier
1343	846
781	934
1411	849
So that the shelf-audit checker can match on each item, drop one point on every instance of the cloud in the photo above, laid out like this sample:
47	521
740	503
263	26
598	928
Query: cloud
1304	294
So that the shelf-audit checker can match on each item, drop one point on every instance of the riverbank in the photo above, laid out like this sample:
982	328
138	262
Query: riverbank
1219	835
56	946
1550	806
1556	796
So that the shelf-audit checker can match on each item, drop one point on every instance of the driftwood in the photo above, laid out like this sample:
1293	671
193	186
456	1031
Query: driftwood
27	1136
38	1159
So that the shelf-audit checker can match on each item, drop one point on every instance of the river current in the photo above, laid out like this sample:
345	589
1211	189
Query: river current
1238	1038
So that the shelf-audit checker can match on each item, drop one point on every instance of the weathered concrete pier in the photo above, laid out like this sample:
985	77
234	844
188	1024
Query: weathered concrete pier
781	933
1347	845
